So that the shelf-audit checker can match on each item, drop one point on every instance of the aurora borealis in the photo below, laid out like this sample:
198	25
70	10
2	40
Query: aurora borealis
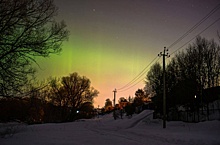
111	41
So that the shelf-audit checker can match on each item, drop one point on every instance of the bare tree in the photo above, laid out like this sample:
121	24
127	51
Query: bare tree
78	90
189	72
154	77
148	90
108	105
57	94
122	99
203	55
27	30
72	91
139	97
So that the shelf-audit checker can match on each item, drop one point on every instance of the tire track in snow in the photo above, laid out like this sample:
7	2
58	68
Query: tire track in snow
140	119
110	133
96	126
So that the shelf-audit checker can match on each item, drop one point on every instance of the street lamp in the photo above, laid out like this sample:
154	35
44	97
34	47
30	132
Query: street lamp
196	108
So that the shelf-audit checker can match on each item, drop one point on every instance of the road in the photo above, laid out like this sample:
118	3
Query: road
141	129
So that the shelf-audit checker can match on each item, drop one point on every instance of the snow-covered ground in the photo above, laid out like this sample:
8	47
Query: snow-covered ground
141	129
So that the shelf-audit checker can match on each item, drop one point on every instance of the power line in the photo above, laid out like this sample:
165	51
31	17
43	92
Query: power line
195	26
142	79
129	84
138	76
180	48
196	36
132	85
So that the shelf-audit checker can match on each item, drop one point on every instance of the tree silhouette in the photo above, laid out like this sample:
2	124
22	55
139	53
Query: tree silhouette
108	105
139	97
87	110
154	79
27	30
196	69
72	91
189	73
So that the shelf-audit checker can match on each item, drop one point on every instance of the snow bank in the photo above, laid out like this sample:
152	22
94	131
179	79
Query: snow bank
9	129
141	129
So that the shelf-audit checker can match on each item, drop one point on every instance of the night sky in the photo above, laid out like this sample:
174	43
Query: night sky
112	41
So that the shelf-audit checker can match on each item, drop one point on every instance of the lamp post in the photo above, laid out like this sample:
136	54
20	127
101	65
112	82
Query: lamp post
197	106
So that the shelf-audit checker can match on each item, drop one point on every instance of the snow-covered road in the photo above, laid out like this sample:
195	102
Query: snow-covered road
141	129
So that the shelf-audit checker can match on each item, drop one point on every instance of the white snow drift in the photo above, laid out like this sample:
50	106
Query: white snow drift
141	129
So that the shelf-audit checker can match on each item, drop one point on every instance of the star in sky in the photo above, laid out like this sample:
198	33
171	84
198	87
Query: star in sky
117	39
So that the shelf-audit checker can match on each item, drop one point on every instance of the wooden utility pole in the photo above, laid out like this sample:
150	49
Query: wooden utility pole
114	103
164	54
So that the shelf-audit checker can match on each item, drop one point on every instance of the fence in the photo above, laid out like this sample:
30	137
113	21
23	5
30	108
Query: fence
207	112
197	116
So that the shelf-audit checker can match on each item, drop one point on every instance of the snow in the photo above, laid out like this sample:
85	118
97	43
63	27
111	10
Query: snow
141	129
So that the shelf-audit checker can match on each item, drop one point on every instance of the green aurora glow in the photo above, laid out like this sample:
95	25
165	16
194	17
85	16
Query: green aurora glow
112	41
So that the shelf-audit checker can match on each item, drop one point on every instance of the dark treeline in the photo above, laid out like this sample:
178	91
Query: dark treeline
189	74
128	106
59	100
29	30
